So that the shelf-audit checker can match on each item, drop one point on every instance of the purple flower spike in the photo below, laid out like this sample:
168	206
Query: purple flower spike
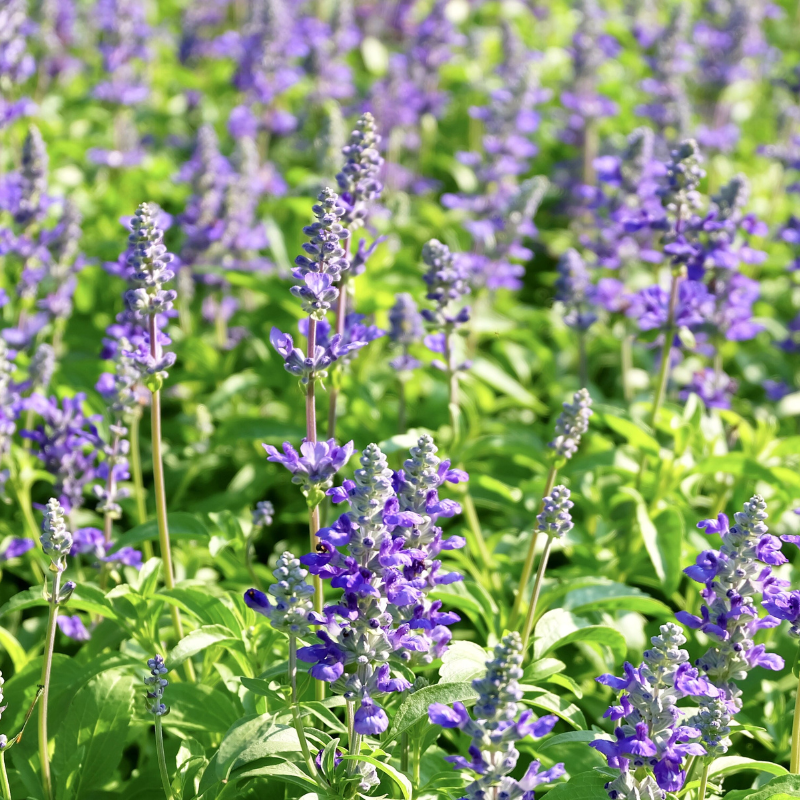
16	547
73	628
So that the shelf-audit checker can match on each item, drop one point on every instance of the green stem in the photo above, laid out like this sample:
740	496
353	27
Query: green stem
527	628
453	404
404	752
415	778
663	372
298	720
161	519
138	483
47	664
401	406
794	764
4	777
583	362
701	792
162	760
527	568
626	357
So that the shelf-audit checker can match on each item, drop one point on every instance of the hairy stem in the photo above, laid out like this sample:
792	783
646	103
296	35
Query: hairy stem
663	372
527	628
401	406
583	363
161	519
527	568
47	665
162	760
138	482
4	777
701	792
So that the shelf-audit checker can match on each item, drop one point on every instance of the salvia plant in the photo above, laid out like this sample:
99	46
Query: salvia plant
535	266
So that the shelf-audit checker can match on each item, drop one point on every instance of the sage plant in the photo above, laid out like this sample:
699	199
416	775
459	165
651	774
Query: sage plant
56	541
495	727
571	425
156	683
148	301
292	614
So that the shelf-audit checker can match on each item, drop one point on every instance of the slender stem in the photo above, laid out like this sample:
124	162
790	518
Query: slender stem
701	792
298	720
162	760
590	146
415	778
47	664
794	764
452	380
527	568
626	357
583	363
161	519
4	777
248	562
663	372
474	523
404	752
138	483
527	628
313	513
401	406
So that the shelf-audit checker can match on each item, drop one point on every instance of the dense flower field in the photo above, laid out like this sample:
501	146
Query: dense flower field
399	398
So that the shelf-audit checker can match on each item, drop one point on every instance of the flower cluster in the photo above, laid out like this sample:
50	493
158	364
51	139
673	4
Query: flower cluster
295	361
148	262
648	733
92	542
554	520
732	577
56	539
293	612
67	442
263	514
575	291
405	330
571	424
155	686
314	467
359	178
496	728
17	64
326	258
382	555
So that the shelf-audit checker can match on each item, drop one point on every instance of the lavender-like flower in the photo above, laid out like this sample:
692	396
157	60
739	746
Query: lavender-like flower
496	728
42	367
33	179
359	179
380	554
405	330
575	290
648	734
571	424
73	628
293	612
149	261
155	686
314	467
263	514
56	540
555	520
67	443
10	401
16	547
713	387
733	575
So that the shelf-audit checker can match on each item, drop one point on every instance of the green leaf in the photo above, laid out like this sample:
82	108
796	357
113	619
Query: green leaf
251	739
415	706
181	526
729	765
559	706
567	738
542	669
197	707
92	736
280	770
398	777
634	435
199	640
558	628
779	788
16	652
495	377
84	598
461	662
584	786
612	596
